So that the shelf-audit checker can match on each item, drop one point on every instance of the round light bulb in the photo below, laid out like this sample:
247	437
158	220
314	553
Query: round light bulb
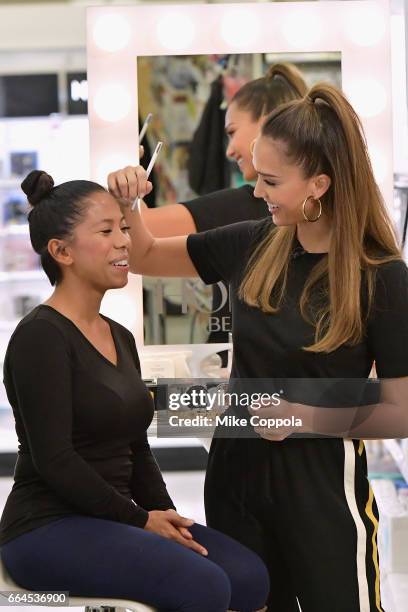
302	28
240	27
365	24
111	33
175	31
367	96
112	102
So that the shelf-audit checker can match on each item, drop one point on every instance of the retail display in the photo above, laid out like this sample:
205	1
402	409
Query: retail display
77	93
21	163
14	208
393	533
28	95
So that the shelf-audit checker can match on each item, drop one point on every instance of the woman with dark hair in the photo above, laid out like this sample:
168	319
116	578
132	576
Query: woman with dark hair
320	293
89	512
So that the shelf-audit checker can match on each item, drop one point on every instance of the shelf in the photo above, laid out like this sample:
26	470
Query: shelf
22	276
395	450
8	325
159	442
10	183
14	230
9	439
397	588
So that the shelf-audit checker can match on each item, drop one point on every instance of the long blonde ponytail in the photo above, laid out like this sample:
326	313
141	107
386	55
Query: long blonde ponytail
323	134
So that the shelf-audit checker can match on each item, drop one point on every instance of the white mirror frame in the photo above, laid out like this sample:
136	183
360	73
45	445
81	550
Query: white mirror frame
360	30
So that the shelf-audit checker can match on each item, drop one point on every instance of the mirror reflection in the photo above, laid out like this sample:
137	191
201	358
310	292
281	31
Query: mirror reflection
207	109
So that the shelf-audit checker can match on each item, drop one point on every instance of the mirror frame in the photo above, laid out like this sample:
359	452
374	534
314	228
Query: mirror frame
359	30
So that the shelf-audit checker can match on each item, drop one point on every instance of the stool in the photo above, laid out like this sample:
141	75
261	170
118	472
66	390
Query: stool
91	604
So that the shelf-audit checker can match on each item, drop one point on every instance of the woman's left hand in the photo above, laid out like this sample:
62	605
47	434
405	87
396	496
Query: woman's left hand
182	530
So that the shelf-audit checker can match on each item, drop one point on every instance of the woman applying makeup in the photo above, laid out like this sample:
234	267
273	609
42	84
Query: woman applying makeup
319	291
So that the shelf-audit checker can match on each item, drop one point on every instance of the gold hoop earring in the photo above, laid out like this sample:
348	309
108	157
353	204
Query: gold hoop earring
306	218
251	146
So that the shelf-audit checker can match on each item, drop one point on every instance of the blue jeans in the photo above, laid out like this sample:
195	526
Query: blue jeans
92	557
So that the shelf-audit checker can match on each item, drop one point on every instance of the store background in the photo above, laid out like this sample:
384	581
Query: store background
46	43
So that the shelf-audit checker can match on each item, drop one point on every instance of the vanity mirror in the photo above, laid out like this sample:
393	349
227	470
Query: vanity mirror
142	59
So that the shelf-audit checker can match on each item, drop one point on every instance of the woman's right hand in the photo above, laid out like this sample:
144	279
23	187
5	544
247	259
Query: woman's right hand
168	524
129	183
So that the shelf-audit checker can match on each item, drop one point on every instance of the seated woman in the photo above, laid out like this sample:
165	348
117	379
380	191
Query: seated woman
89	512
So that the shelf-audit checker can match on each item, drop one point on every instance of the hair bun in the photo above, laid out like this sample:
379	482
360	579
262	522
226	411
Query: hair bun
37	185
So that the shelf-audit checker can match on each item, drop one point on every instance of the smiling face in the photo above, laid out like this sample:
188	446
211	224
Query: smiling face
97	252
282	184
241	130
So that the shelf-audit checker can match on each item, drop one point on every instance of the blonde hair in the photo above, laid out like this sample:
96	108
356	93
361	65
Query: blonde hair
282	83
322	134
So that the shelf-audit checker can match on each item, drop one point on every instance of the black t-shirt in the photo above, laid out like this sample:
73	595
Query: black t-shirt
226	207
270	345
216	210
81	423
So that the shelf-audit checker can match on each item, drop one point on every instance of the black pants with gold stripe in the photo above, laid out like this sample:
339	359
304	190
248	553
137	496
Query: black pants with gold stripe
306	507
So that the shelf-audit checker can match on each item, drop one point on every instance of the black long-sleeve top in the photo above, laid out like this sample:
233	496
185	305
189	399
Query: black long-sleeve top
81	423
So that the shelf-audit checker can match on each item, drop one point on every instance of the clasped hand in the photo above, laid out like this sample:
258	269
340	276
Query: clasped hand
169	524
